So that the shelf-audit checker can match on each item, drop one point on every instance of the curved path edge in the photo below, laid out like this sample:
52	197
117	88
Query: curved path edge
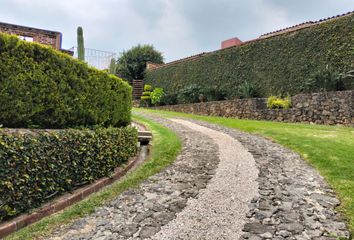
195	197
295	201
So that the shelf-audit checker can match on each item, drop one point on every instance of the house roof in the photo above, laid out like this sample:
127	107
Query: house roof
29	28
303	25
263	36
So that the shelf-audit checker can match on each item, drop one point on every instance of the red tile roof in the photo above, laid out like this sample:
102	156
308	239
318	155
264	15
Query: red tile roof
303	25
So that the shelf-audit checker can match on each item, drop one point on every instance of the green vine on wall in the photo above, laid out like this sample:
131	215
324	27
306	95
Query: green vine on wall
278	65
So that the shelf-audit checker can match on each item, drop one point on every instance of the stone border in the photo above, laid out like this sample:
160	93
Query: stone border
68	199
320	108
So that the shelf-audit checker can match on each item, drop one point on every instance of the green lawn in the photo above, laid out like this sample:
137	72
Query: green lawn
330	149
165	147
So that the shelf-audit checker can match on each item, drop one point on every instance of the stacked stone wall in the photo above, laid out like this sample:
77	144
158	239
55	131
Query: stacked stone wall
321	108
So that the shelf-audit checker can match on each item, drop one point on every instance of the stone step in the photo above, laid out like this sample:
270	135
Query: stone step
144	137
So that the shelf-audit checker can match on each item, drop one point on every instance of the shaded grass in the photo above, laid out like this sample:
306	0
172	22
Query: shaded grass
330	149
165	147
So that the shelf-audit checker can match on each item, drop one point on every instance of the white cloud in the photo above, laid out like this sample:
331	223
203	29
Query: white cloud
178	28
270	18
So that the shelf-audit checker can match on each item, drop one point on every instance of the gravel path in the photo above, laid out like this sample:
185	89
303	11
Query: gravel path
225	184
220	210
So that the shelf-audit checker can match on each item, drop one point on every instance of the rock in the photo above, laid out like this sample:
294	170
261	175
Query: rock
292	227
164	217
129	230
284	233
266	235
257	228
148	231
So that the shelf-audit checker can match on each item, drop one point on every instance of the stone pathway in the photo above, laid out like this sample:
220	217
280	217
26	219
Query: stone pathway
140	213
215	189
295	202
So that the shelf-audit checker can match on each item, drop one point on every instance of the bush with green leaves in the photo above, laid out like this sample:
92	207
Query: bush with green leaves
147	88
156	96
189	94
212	94
325	79
278	65
146	96
248	90
169	99
37	166
274	102
44	88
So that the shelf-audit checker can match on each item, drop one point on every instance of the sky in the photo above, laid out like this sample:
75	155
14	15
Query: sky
177	28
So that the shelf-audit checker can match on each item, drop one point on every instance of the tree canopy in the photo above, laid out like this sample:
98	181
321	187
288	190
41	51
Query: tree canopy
132	63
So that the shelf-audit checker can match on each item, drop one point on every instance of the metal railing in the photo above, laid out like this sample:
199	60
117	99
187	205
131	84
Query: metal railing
97	58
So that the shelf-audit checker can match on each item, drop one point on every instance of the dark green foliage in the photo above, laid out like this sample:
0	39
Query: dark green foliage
169	99
80	44
132	63
326	79
212	94
248	90
189	94
192	94
278	65
41	87
36	167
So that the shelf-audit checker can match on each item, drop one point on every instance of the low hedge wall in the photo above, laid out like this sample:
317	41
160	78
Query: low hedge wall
276	65
44	88
37	166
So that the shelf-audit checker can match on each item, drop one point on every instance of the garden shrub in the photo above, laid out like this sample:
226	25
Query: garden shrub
44	88
279	64
169	99
146	96
325	79
156	96
274	102
213	94
248	90
189	94
36	167
147	88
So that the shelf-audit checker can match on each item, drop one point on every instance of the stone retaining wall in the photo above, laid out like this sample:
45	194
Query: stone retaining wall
320	108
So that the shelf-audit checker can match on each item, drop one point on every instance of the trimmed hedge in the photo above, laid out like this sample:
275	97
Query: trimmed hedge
277	65
38	166
43	88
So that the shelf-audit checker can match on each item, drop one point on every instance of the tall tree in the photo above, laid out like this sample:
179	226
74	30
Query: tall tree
80	44
132	63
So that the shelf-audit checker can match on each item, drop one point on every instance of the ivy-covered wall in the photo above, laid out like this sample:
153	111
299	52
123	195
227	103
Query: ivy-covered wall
278	64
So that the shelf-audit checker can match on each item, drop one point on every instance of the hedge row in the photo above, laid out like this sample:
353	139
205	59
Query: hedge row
43	88
276	65
36	167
